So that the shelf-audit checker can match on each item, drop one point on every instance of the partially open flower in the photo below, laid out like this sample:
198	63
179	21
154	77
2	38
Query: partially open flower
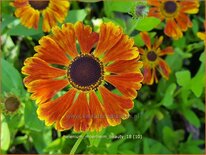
84	70
139	10
175	13
152	61
11	104
29	12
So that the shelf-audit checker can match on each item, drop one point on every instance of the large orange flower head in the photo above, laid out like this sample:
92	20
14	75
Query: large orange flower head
83	64
152	61
175	13
29	12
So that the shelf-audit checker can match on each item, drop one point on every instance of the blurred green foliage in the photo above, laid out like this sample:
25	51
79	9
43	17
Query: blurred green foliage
168	117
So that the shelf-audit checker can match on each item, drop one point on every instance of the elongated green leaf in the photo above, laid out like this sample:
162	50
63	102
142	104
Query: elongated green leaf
11	79
168	98
5	134
147	24
31	120
191	117
76	15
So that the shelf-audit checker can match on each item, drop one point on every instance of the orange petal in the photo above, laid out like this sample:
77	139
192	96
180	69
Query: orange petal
65	38
183	21
167	50
116	107
39	69
190	7
78	115
49	51
43	90
146	39
126	83
20	4
59	9
153	2
53	111
154	12
87	39
48	20
148	76
157	42
97	113
164	69
109	35
124	66
172	29
123	50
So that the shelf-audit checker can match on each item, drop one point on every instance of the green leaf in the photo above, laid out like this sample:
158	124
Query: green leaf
183	78
191	147
175	61
76	15
191	117
172	138
5	134
198	81
31	120
151	146
119	6
20	30
168	98
95	137
41	139
55	146
11	79
147	23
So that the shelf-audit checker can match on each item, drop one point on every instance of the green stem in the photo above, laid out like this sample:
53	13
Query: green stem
74	148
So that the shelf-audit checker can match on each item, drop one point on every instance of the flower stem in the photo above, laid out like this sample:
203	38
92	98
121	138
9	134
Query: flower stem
74	148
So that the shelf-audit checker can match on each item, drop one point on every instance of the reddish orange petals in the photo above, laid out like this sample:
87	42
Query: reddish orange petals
97	113
153	2
109	35
172	29
86	37
116	107
49	51
53	111
19	4
39	69
148	76
183	21
190	7
123	50
78	115
167	50
127	83
157	42
66	39
146	39
43	90
164	69
121	66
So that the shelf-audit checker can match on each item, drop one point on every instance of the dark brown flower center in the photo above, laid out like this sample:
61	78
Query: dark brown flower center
12	104
170	6
85	72
39	4
151	56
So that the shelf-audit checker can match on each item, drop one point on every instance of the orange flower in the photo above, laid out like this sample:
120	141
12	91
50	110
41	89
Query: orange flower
29	11
175	13
152	61
84	72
